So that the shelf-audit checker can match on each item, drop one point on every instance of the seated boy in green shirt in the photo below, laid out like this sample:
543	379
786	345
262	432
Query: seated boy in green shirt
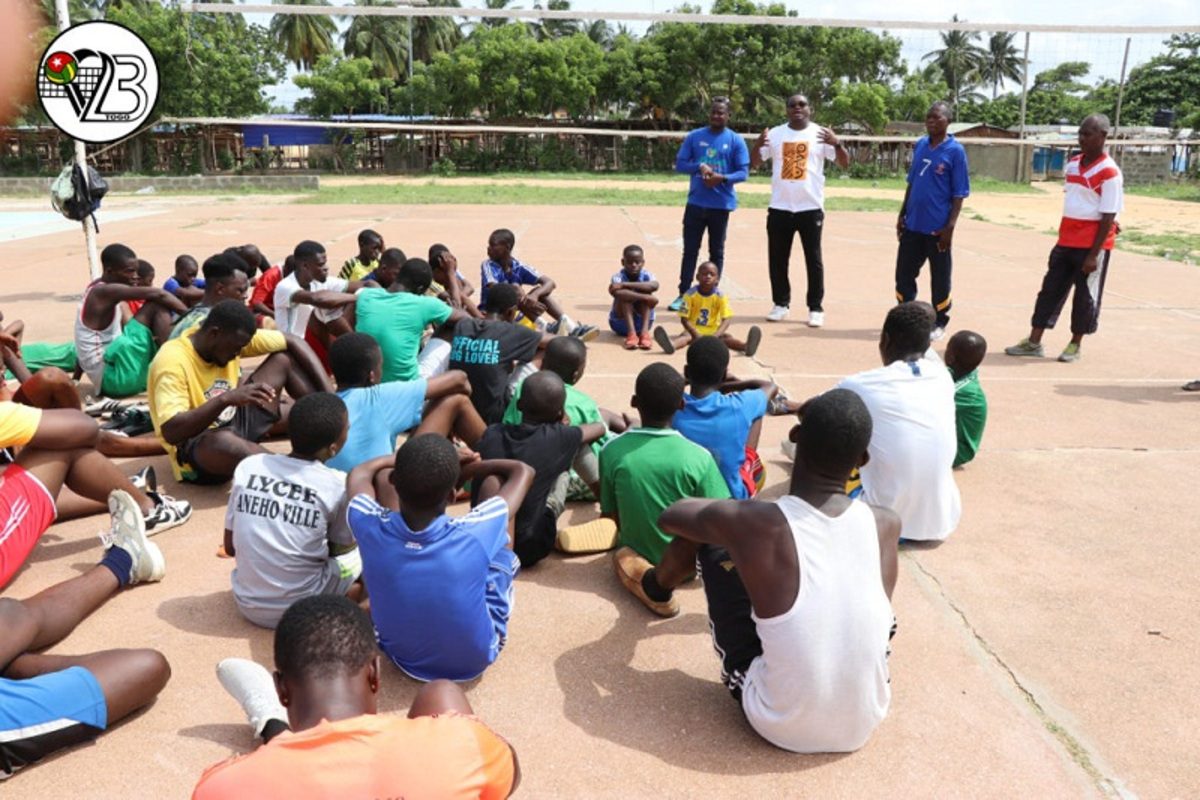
648	468
964	354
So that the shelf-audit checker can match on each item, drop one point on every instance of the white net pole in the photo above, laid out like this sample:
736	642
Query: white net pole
89	232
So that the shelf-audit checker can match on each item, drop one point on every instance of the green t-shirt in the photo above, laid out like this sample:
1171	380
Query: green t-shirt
643	471
581	410
396	320
970	416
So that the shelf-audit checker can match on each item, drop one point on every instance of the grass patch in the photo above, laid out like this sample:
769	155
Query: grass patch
444	192
1188	192
1173	245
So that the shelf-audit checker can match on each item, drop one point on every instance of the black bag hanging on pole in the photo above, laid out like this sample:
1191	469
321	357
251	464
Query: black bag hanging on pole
78	199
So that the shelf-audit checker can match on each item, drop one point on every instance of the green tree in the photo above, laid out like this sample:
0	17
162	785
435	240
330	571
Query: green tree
863	104
600	32
916	93
1167	81
1001	61
497	4
210	65
340	86
304	38
433	35
381	40
554	28
1058	96
959	59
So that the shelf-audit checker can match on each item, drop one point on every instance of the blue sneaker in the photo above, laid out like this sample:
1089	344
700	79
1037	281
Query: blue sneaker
676	304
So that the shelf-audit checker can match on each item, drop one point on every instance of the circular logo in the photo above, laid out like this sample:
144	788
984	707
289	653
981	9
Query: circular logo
98	82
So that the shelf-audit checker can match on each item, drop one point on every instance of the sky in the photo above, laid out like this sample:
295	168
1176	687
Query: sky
1104	51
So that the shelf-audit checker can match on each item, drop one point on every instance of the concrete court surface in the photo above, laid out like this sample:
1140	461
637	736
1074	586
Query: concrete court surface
1047	649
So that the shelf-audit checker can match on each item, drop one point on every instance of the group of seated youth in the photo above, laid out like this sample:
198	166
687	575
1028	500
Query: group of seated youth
486	400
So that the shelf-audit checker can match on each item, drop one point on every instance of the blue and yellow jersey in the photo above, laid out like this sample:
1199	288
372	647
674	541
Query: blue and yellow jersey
705	312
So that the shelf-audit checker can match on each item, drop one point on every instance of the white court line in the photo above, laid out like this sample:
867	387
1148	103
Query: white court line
990	378
28	225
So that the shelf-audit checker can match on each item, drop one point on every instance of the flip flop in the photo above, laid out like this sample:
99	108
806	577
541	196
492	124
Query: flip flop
1192	386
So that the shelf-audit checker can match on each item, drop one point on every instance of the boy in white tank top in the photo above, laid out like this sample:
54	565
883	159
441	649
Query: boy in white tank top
799	590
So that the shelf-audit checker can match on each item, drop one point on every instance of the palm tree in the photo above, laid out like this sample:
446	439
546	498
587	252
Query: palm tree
303	38
554	28
433	35
959	60
600	32
495	22
383	40
1001	61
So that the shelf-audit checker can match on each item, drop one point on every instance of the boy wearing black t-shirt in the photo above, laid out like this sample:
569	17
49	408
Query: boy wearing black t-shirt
543	442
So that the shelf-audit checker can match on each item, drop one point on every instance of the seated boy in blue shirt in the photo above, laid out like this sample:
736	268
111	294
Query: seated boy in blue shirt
502	267
379	412
184	284
632	290
724	417
542	441
440	586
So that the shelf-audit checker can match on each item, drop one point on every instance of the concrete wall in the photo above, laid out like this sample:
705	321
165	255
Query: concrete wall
1144	165
194	183
995	161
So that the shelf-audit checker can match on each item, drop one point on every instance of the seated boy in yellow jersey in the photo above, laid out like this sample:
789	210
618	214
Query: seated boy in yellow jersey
370	247
208	422
706	312
330	742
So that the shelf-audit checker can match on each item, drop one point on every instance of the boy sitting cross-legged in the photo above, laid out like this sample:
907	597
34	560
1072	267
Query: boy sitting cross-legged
545	443
502	267
283	523
632	290
706	312
648	468
440	586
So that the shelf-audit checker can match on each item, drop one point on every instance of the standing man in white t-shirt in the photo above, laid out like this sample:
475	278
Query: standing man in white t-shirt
914	440
798	152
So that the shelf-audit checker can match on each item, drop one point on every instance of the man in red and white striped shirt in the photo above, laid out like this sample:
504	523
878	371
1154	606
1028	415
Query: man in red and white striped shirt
1093	197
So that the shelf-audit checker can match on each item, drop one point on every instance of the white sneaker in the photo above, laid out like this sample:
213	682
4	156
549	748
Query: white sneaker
788	447
937	334
129	533
778	314
253	687
816	319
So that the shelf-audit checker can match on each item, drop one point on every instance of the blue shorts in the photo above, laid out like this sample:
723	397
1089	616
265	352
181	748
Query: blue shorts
618	326
41	715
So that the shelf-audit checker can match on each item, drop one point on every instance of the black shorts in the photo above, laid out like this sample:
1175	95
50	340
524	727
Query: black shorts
249	422
735	636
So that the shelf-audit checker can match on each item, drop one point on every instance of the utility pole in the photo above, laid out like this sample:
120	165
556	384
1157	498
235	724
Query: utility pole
89	232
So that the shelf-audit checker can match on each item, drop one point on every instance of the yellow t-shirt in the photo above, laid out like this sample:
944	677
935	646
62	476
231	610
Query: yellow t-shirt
18	423
356	270
180	381
447	757
706	313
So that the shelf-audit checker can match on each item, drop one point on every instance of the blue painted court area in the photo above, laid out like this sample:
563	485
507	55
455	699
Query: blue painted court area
16	225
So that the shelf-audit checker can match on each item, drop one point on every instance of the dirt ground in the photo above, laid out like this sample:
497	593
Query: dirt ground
1047	649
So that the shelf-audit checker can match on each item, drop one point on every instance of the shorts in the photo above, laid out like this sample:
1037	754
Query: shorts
618	326
318	347
753	473
249	422
434	358
41	715
735	636
26	511
127	361
37	355
537	540
340	574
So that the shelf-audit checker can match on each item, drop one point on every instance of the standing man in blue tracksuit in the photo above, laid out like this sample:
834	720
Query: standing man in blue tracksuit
716	158
937	185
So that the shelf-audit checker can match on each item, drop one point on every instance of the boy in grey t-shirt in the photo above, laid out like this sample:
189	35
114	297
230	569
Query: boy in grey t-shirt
285	522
